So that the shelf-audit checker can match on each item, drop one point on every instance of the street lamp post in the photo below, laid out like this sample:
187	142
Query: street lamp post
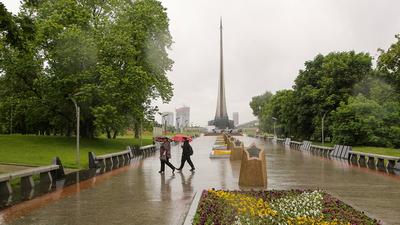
165	123
322	128
275	119
11	119
77	109
177	123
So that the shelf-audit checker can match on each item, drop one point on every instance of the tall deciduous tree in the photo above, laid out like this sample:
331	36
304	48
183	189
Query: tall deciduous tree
110	56
389	64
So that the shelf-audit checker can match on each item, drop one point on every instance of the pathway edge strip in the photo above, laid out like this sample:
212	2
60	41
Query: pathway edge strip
193	208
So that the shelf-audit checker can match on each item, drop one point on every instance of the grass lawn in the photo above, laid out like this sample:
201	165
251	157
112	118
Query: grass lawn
40	150
378	150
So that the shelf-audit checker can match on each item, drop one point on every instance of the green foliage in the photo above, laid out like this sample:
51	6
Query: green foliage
110	56
359	105
325	82
389	64
258	102
359	122
319	89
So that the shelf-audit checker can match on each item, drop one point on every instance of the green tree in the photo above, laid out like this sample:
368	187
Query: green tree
258	102
361	122
388	64
325	82
110	56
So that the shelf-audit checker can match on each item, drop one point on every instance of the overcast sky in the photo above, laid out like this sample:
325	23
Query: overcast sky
266	42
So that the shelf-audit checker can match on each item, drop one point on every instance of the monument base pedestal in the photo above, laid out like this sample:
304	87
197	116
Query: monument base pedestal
253	171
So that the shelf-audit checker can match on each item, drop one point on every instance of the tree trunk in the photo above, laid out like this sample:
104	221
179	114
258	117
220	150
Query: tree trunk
115	134
108	133
87	128
136	129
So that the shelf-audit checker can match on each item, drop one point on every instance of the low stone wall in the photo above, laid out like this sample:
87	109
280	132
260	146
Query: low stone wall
374	161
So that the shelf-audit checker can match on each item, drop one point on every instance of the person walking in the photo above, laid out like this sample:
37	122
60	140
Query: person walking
187	151
165	155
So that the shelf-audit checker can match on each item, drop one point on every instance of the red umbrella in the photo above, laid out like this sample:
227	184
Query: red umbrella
181	137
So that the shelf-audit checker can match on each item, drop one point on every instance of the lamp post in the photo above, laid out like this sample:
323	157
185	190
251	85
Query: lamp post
177	123
11	119
165	123
77	110
322	128
275	119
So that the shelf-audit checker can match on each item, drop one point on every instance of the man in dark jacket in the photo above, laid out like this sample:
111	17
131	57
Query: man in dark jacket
187	151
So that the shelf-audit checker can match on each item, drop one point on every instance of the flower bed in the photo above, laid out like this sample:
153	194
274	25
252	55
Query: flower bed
275	207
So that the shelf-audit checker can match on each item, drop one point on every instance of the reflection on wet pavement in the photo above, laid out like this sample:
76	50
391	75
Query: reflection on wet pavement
138	194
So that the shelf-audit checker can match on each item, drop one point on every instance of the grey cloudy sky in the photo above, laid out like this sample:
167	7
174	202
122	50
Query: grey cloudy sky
266	42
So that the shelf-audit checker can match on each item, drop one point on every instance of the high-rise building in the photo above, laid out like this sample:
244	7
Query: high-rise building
235	117
182	117
221	119
167	119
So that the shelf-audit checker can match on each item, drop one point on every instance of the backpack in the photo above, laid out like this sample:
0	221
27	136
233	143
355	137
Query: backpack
190	150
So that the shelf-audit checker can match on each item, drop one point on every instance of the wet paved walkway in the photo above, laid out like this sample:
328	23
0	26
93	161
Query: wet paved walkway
137	194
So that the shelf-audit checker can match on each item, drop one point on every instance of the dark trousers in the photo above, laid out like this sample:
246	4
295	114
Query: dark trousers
184	159
163	162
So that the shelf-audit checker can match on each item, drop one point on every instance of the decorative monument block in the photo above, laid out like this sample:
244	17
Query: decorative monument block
253	172
220	149
230	143
237	150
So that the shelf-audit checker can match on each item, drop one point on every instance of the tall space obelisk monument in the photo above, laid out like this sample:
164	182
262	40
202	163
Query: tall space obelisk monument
221	119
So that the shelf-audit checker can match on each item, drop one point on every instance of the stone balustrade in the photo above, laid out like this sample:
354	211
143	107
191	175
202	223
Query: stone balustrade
320	150
47	175
374	161
295	145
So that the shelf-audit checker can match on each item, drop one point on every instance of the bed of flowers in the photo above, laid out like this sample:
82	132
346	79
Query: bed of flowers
275	207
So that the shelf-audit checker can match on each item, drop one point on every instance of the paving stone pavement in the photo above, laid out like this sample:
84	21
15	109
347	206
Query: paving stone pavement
138	194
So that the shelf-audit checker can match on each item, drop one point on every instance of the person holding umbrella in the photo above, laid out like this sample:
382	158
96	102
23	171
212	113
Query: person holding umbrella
187	151
165	155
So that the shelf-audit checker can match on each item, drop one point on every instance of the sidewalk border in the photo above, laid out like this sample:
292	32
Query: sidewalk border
193	208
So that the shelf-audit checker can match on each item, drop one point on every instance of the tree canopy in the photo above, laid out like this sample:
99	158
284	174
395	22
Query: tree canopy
358	103
109	56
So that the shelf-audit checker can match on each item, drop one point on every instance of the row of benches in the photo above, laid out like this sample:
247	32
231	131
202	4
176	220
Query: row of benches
372	161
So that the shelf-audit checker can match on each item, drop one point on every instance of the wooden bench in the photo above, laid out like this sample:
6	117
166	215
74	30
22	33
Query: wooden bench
374	160
47	177
115	158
